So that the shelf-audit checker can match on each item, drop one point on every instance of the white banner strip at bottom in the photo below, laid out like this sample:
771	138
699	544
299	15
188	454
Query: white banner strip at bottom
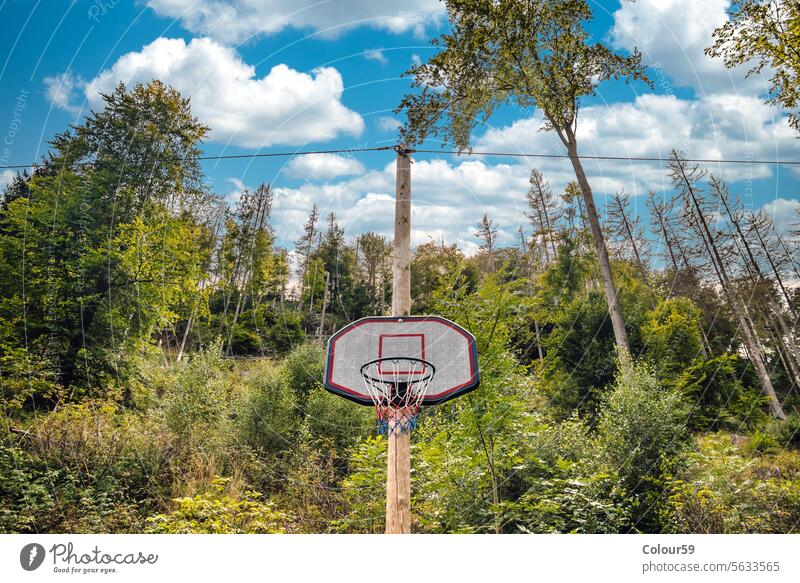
423	558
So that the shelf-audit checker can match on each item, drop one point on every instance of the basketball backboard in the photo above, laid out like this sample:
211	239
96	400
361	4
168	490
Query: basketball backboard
421	340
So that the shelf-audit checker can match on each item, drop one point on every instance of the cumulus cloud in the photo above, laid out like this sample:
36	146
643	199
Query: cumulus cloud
722	126
283	107
376	55
672	35
785	214
6	178
387	123
238	188
234	21
449	200
323	167
65	91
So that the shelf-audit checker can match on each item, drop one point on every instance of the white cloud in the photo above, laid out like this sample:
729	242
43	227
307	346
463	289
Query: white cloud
672	35
6	178
387	123
234	21
785	214
323	166
239	188
376	55
449	200
283	107
64	90
416	59
723	126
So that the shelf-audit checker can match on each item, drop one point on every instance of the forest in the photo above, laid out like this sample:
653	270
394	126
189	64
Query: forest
161	355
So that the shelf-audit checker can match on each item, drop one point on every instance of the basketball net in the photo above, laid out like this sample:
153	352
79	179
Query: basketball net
397	387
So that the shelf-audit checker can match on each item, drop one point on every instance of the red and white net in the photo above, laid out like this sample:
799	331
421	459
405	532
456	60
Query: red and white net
397	387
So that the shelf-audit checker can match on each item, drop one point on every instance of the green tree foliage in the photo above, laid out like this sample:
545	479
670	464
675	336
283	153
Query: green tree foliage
641	426
432	266
529	54
98	243
722	488
768	33
216	512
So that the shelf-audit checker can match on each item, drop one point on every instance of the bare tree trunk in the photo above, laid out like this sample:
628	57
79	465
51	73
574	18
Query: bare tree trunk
740	310
185	336
325	299
775	271
614	309
631	240
784	338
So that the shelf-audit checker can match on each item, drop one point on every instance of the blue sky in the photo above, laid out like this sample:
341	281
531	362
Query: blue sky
297	74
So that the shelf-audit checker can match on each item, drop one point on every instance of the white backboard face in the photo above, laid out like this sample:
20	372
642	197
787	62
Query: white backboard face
448	347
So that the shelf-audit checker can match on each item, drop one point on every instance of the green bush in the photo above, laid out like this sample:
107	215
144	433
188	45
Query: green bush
36	497
567	488
266	415
200	392
723	488
304	368
28	492
338	421
217	512
365	488
641	427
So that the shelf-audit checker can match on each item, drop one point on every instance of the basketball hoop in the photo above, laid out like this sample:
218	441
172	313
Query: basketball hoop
397	387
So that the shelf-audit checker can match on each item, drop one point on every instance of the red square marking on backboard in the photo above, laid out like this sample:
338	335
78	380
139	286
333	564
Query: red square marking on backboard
409	345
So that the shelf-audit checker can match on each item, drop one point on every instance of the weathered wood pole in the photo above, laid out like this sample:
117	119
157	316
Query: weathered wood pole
398	475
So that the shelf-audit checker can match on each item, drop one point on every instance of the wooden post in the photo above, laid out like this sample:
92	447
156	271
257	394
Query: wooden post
398	475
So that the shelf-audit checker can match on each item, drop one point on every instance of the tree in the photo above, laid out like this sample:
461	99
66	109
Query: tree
432	266
104	238
533	53
767	32
304	248
376	253
626	228
685	178
542	212
487	233
660	226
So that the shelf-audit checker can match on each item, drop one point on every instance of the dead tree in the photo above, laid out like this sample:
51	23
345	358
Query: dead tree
543	212
487	232
763	287
626	229
659	212
304	249
685	179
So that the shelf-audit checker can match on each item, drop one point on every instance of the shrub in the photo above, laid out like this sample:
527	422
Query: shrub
642	425
36	497
266	416
723	488
567	489
216	512
304	368
330	418
28	493
200	392
365	488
